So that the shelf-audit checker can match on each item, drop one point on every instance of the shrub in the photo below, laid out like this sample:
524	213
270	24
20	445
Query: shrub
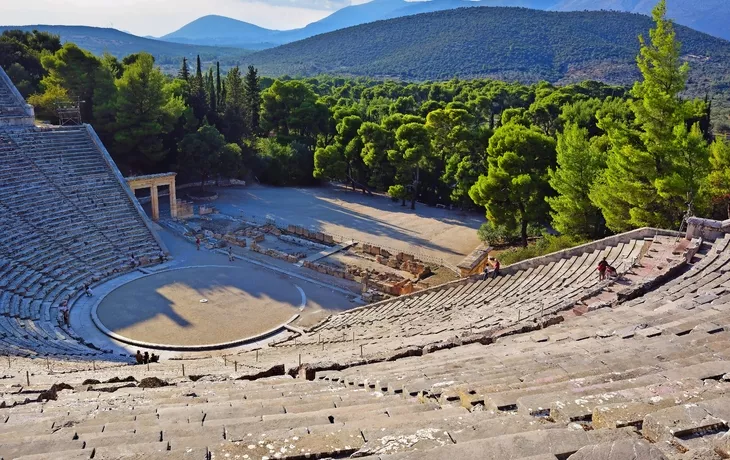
545	245
500	235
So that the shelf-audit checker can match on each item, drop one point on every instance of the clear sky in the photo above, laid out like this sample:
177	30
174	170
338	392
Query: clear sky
159	17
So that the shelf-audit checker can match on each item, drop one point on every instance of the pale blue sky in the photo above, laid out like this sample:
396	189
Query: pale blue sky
158	17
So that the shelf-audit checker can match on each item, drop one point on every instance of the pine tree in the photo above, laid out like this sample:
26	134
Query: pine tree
184	73
579	164
252	100
649	177
719	179
516	184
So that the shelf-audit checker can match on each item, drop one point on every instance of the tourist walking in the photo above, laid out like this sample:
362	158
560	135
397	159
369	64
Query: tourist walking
197	243
230	254
495	274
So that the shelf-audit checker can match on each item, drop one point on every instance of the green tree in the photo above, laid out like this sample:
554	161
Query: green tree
205	153
451	138
516	184
343	160
197	99
233	117
579	164
143	113
276	161
412	155
376	141
20	57
719	178
78	72
252	100
184	72
649	178
398	192
290	110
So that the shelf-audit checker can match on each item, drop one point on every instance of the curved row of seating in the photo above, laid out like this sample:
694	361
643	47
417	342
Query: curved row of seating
484	304
66	222
600	385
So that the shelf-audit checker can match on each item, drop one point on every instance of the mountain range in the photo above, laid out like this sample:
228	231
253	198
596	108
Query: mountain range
495	42
709	16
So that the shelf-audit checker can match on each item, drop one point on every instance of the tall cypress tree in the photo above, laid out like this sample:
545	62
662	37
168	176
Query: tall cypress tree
197	99
184	73
218	88
252	100
212	94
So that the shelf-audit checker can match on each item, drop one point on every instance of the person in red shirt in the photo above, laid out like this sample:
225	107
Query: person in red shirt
197	243
495	273
602	267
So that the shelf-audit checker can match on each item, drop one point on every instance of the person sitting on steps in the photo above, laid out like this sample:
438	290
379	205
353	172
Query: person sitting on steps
139	357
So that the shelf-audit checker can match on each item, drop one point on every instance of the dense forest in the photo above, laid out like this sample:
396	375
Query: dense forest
583	159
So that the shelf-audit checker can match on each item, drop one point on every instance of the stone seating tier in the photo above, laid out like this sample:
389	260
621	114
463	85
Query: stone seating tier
66	221
544	395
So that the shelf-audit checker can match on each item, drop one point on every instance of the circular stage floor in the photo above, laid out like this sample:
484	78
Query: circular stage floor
201	306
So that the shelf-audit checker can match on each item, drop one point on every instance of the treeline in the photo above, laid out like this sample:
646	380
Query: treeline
584	159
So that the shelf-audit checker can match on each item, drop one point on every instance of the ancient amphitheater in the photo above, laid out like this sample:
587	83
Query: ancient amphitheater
545	362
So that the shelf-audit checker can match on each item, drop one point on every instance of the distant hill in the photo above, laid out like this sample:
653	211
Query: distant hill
709	16
99	40
223	31
503	43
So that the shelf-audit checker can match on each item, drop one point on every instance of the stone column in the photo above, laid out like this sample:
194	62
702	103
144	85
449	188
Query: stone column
155	203
173	200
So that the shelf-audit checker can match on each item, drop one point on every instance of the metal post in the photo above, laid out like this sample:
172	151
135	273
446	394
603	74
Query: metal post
257	355
148	366
235	363
225	361
300	359
361	345
542	311
183	370
93	365
27	377
48	364
519	314
353	337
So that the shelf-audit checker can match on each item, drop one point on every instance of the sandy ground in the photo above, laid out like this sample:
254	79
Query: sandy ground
431	232
243	300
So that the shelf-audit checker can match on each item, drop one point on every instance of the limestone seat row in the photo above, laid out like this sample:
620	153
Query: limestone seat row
66	221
